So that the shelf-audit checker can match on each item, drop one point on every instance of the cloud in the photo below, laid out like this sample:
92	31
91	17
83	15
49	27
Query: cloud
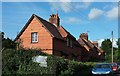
67	6
83	5
114	42
95	13
100	42
113	13
72	20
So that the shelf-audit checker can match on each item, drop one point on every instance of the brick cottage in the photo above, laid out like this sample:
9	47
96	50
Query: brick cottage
52	38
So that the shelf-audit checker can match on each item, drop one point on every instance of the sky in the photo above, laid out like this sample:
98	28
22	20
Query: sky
98	19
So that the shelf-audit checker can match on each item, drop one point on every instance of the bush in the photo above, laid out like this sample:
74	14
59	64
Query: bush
20	63
78	69
9	62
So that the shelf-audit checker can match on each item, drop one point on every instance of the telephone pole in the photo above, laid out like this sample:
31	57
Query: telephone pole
112	46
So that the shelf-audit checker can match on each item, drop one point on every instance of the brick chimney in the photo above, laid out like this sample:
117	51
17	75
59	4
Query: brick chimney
84	36
54	19
95	43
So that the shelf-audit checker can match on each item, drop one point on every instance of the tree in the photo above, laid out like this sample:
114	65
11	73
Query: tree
118	43
107	45
8	43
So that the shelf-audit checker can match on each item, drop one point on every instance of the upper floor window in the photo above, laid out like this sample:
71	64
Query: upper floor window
71	43
34	37
68	41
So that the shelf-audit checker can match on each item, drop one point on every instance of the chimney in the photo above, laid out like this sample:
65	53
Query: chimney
54	19
84	36
95	43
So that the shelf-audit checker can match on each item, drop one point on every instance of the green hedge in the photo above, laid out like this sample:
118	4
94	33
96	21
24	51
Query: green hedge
19	62
75	68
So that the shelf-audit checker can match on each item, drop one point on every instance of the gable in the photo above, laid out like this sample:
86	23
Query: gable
51	29
64	32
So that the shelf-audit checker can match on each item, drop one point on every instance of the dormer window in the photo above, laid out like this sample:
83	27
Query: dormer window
34	37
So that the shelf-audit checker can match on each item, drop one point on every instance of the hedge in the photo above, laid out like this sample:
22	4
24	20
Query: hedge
19	62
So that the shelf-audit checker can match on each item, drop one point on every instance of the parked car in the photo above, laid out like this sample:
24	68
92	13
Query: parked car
102	69
114	67
118	67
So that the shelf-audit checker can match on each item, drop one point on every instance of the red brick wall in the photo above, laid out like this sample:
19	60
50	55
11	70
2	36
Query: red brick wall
60	45
44	38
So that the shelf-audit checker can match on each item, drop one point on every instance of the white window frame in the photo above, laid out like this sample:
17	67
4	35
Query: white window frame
34	37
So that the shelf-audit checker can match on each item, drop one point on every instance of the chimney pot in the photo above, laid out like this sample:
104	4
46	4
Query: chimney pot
54	19
84	36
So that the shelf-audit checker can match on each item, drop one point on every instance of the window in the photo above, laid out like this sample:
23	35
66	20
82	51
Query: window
68	43
71	43
34	37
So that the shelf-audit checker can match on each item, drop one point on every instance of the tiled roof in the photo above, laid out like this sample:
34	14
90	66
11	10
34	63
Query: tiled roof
81	41
64	32
89	45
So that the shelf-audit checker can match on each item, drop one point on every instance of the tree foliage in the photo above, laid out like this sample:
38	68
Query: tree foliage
118	43
107	45
8	43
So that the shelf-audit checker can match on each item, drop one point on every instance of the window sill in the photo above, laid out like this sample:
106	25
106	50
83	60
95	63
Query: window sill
34	42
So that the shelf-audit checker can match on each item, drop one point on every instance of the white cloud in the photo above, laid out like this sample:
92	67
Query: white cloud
114	42
83	5
100	42
95	13
65	6
113	13
68	6
72	20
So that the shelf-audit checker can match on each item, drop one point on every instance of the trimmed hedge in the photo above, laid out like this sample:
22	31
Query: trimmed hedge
20	63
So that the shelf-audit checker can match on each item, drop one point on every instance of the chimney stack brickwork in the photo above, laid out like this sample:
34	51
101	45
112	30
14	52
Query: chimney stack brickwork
84	36
54	19
95	43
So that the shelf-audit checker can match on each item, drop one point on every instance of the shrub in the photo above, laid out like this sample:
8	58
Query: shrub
19	62
78	69
9	62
